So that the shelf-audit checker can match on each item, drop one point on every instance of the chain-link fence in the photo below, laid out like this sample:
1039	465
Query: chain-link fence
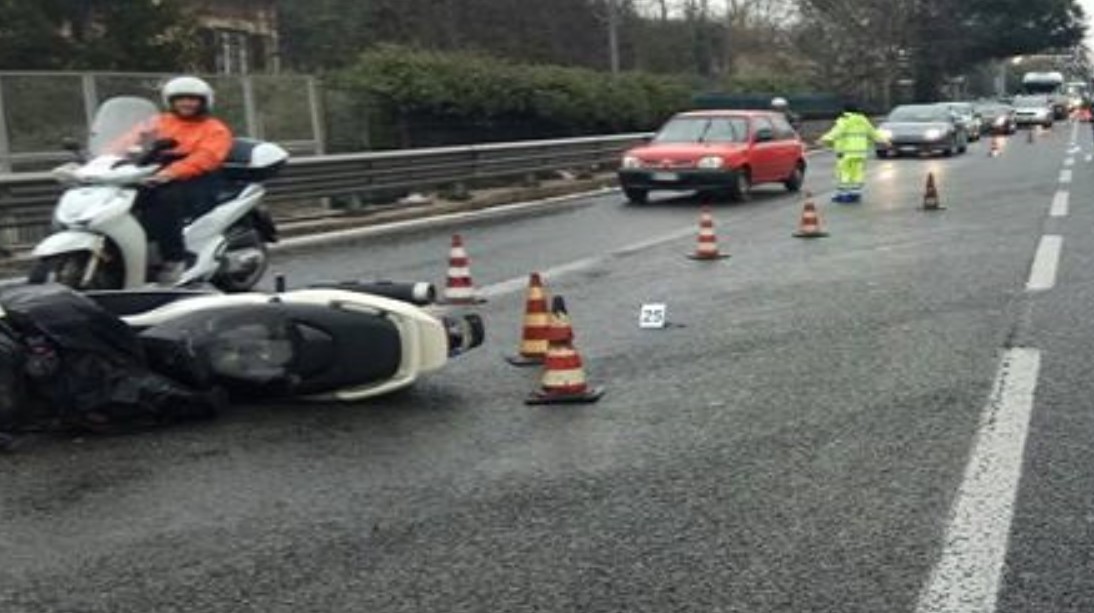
38	111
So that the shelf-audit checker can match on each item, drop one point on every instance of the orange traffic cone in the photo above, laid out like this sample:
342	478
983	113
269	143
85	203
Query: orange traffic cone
537	325
707	249
931	201
564	379
995	148
810	223
459	288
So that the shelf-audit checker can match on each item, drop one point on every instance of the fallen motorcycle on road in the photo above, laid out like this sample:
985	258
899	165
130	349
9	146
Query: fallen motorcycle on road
150	357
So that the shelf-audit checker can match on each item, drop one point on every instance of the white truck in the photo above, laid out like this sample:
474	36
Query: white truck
1049	84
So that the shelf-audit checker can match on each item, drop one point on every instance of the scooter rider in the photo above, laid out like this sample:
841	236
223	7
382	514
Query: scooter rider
188	186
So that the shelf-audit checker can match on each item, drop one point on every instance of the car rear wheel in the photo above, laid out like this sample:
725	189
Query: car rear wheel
797	179
636	196
883	154
741	191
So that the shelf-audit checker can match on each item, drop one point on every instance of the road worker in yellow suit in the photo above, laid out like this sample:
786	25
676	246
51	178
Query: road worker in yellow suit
852	138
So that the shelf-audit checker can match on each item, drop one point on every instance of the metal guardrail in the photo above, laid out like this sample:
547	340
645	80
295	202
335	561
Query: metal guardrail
27	199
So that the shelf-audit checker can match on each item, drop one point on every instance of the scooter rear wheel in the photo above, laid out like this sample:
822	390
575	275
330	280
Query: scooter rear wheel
243	281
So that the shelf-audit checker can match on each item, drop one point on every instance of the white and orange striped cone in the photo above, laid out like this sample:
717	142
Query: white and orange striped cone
995	149
707	248
931	200
459	289
564	380
536	327
810	226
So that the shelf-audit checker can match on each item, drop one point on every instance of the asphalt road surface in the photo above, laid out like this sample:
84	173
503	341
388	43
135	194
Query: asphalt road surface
898	418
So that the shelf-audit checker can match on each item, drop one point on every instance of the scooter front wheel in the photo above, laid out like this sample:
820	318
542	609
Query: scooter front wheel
71	269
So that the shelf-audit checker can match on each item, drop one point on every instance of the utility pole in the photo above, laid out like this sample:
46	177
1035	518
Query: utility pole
613	34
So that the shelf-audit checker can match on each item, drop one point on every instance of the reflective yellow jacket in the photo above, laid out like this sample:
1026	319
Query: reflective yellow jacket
853	134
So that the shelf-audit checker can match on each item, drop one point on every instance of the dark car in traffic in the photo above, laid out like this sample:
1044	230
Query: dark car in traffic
967	117
998	118
922	128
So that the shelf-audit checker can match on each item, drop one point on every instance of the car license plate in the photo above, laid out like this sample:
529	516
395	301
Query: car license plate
908	149
666	177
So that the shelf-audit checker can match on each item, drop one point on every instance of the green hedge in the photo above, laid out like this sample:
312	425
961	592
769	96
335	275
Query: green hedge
469	87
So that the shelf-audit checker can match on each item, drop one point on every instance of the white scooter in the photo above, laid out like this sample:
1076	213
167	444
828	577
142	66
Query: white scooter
342	342
101	244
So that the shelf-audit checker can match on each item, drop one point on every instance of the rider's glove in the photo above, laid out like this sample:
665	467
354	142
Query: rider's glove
157	179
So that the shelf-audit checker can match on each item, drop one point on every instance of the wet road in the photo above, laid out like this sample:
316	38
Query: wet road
896	418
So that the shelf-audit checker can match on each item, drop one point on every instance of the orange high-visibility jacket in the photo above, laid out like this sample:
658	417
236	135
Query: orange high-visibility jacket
205	142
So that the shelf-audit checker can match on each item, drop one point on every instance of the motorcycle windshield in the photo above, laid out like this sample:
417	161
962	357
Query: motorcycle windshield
119	123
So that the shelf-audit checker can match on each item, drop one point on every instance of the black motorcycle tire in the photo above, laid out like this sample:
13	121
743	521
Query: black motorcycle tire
244	236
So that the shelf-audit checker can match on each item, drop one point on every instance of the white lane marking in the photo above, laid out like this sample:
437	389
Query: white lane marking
1045	264
1065	176
1089	158
1069	162
1060	204
517	284
967	577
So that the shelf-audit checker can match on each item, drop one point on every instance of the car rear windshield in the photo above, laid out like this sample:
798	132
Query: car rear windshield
1030	103
704	130
918	114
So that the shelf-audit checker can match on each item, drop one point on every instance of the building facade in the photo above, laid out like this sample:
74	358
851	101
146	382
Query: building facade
239	36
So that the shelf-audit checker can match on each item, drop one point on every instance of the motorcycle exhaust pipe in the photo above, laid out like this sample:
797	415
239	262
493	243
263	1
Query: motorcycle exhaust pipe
464	333
418	294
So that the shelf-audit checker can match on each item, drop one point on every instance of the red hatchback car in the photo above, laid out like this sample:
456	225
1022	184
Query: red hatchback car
716	151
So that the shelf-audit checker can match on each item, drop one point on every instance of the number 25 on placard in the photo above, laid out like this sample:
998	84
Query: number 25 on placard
653	316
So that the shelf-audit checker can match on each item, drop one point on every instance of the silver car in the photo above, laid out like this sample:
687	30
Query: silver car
1033	111
922	128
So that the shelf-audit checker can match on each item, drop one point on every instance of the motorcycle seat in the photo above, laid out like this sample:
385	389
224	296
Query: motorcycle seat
343	348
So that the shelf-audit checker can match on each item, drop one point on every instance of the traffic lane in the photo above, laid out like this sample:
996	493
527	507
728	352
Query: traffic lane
504	248
685	473
1050	560
794	447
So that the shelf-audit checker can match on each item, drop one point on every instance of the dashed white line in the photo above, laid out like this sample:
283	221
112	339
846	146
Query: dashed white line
1089	158
1045	264
1065	176
967	577
1069	162
1060	204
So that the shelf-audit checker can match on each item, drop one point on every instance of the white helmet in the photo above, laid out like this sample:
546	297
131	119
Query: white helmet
189	87
779	103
